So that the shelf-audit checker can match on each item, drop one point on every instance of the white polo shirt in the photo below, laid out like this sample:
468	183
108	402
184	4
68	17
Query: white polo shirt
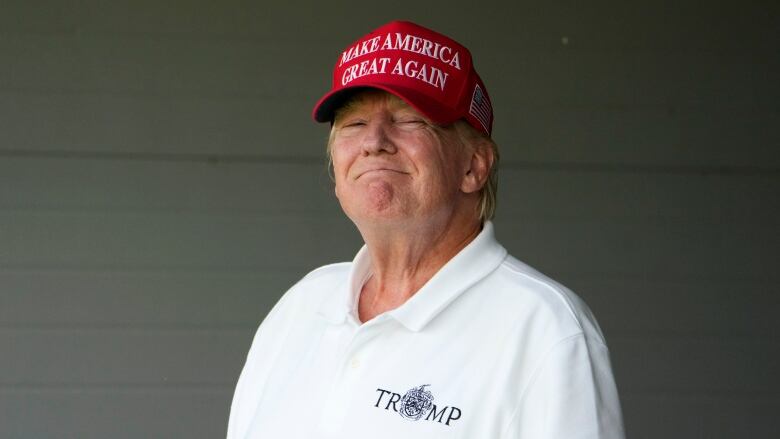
488	348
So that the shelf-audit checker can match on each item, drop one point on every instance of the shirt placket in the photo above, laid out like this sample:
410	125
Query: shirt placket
349	375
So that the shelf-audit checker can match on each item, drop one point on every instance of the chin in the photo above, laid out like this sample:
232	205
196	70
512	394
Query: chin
375	202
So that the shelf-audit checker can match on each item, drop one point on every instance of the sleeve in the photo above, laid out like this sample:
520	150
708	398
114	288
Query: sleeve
260	359
572	395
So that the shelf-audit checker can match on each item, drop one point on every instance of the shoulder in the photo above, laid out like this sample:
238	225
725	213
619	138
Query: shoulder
331	272
321	279
302	299
562	354
546	305
311	290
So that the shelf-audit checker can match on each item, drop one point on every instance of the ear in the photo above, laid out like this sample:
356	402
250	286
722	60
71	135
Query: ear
479	165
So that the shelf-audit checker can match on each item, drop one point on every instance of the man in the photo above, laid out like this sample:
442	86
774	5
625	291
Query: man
433	331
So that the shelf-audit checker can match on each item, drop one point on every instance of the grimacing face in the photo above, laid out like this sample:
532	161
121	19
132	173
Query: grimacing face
392	166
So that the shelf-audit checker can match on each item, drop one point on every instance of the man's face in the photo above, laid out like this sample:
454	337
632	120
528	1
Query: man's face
394	167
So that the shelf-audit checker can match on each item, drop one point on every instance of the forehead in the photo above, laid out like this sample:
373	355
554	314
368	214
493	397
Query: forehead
366	99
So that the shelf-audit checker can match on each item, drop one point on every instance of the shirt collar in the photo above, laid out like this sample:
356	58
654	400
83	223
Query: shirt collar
475	261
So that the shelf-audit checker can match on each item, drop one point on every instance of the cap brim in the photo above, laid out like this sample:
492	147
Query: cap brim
326	107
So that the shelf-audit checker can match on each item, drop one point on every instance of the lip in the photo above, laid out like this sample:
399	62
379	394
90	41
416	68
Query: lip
379	170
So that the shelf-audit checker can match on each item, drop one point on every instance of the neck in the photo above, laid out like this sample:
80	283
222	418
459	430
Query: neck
403	259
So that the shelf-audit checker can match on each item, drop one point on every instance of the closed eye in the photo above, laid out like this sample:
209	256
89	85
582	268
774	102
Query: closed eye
353	121
411	122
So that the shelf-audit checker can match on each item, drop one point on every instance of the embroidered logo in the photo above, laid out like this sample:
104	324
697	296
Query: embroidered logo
416	404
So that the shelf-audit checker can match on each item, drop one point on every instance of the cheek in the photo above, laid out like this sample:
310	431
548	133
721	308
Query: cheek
340	171
443	177
434	163
338	177
341	165
342	154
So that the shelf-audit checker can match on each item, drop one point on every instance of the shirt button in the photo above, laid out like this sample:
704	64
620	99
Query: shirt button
355	363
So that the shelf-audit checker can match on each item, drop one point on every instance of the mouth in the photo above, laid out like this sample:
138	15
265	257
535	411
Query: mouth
379	171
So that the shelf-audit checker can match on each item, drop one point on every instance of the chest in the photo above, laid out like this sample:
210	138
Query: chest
381	380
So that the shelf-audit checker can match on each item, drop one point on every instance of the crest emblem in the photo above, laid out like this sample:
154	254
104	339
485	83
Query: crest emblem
416	403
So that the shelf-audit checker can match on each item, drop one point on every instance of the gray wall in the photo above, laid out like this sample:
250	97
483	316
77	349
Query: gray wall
161	185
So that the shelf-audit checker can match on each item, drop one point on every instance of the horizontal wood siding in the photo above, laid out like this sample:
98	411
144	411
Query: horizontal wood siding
161	185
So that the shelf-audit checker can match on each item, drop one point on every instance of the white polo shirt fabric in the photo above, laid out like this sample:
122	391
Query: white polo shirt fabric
488	348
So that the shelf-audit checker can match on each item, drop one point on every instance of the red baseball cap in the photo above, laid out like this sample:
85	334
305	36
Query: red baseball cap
431	72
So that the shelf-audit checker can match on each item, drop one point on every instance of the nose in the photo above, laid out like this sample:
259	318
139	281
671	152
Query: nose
376	140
